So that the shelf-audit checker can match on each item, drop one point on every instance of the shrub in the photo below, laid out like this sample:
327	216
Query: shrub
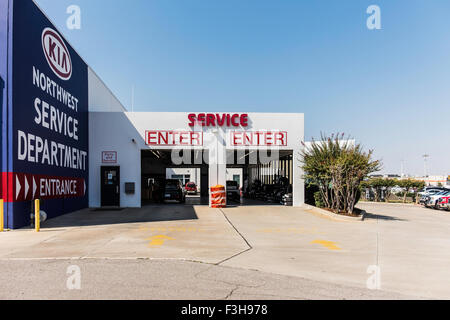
378	185
409	184
310	191
337	168
318	201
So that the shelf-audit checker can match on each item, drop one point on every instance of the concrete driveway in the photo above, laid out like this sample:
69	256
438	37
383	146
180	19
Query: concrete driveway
184	232
410	245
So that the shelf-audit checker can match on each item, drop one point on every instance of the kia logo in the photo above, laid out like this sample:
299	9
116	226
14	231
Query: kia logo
56	53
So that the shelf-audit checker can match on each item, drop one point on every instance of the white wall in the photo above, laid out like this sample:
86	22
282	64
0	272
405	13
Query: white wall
101	99
350	143
236	171
104	138
193	172
114	131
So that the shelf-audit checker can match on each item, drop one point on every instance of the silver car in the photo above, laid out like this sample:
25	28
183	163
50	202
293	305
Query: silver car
433	201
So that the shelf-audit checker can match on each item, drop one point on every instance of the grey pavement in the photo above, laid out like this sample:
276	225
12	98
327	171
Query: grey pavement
162	280
250	252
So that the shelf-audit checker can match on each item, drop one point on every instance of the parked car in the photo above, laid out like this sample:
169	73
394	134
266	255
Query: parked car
173	191
444	202
432	201
397	189
191	188
428	192
233	192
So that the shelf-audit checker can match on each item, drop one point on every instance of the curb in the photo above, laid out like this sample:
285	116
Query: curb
390	203
336	216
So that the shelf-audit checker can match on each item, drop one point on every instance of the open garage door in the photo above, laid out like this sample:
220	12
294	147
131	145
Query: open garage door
158	167
266	178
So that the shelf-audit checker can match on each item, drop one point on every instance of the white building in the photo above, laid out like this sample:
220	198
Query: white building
435	180
255	146
69	142
185	175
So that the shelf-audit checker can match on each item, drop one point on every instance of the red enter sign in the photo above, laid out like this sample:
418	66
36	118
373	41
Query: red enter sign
173	138
259	138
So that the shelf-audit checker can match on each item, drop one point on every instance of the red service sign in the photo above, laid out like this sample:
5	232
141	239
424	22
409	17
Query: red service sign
259	138
173	138
218	120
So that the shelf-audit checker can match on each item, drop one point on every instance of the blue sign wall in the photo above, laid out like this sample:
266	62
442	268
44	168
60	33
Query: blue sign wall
48	133
4	65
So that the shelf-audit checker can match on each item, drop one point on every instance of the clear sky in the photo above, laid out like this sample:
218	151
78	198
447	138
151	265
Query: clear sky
388	88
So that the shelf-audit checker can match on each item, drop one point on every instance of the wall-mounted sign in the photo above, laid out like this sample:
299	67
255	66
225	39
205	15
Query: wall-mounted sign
45	139
34	186
56	53
173	138
218	120
258	138
109	157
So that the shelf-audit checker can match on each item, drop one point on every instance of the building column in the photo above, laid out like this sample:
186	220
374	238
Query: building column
217	158
298	183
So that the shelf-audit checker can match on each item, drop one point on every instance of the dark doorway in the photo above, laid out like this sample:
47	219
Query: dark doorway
265	179
204	182
110	177
154	165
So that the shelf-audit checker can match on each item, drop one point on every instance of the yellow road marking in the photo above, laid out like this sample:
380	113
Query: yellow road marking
327	244
157	241
171	229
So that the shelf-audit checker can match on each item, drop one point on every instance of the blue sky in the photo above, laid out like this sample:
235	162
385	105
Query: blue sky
388	88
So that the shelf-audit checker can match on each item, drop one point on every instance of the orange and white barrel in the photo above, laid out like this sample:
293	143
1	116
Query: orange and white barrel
218	197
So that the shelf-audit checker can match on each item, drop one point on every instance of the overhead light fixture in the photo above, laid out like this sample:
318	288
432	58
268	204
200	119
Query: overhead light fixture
155	154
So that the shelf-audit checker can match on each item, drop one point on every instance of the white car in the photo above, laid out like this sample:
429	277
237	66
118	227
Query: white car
432	200
428	192
397	189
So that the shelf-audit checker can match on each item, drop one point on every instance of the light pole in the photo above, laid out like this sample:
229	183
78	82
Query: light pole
402	168
425	158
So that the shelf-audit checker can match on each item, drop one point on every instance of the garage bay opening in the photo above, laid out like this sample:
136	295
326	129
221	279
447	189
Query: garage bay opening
257	176
164	181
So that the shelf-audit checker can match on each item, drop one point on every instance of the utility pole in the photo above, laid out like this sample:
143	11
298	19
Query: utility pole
402	168
425	159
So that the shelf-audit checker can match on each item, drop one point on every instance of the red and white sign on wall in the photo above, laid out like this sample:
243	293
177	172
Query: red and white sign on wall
57	54
109	157
173	138
259	138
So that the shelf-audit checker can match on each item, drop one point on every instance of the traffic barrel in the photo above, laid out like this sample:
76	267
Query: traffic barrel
218	197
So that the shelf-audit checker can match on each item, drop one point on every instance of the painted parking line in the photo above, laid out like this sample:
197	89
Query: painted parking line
327	244
159	240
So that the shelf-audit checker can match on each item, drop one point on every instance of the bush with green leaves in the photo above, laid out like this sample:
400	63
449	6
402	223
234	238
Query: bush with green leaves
318	201
380	185
338	167
310	191
411	185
